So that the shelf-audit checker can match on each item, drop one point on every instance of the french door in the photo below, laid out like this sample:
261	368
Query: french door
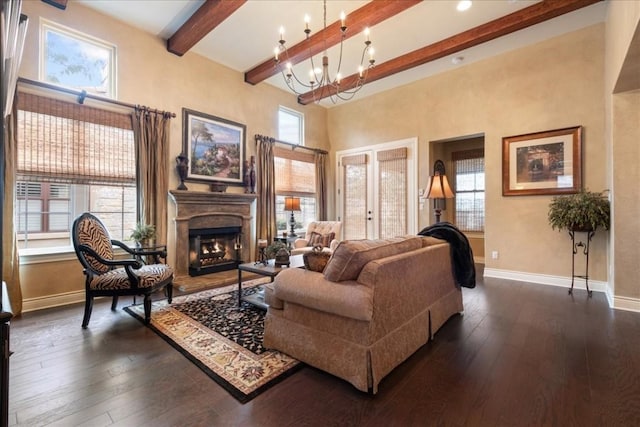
377	190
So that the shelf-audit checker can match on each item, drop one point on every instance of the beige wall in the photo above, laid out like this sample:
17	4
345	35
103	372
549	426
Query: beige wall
554	84
149	75
622	95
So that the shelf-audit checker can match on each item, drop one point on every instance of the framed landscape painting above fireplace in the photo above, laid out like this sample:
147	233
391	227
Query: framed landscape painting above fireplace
215	146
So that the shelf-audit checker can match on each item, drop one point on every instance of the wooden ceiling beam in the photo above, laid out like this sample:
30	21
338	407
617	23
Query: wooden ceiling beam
211	14
513	22
368	15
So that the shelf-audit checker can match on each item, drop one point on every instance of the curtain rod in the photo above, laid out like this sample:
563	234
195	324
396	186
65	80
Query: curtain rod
82	95
293	146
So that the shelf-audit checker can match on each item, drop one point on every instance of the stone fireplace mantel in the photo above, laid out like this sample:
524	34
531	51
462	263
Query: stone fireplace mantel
203	209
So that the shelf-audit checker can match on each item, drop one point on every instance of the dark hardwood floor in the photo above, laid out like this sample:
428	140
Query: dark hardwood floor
521	355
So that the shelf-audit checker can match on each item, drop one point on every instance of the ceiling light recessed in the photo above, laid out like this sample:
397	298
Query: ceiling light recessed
457	59
463	5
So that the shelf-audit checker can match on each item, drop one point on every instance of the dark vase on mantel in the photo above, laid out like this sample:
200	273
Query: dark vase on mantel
182	166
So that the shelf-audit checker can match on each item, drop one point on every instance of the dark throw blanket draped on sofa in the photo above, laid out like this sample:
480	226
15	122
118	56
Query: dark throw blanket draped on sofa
461	254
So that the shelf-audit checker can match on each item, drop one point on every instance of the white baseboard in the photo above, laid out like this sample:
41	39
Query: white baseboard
617	302
50	301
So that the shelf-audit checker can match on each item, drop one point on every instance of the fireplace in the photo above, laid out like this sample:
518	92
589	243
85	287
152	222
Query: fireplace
214	249
200	212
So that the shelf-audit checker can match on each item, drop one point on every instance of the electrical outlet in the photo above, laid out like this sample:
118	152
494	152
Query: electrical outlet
494	255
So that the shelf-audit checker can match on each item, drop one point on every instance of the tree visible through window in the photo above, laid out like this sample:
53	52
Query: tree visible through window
73	59
469	175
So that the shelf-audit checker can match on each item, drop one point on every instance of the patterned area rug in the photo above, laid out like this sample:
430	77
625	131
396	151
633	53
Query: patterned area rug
222	340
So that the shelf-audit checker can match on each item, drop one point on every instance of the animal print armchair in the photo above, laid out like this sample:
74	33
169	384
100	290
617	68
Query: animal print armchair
108	276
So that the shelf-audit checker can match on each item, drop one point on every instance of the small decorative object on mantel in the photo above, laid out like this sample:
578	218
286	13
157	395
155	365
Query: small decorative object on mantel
182	166
252	175
217	187
246	177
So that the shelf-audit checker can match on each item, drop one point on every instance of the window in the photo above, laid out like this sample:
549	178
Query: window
295	173
76	60
295	176
469	175
72	158
290	126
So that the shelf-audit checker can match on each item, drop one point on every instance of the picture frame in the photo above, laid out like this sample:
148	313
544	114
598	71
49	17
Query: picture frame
215	148
548	162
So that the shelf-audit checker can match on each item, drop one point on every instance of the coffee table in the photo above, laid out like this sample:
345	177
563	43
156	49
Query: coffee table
268	270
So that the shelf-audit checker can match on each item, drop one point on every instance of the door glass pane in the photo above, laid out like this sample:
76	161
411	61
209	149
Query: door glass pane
355	202
392	196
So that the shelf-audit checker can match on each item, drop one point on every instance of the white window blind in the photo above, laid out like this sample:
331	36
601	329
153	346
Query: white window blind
295	176
64	142
355	196
469	173
392	192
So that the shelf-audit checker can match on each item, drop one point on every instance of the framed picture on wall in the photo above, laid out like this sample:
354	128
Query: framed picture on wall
215	147
547	162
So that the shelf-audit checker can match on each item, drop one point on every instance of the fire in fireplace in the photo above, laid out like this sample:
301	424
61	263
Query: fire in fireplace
214	249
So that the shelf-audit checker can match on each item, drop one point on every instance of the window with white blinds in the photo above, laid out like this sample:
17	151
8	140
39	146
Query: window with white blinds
72	158
355	196
392	192
295	176
469	188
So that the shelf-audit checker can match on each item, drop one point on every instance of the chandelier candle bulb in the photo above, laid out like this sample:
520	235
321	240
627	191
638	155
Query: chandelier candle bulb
366	35
306	22
281	35
343	18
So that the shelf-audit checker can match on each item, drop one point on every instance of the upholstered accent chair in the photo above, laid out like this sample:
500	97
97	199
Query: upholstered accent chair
107	275
319	233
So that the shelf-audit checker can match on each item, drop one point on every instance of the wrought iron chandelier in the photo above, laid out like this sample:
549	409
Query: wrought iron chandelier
320	82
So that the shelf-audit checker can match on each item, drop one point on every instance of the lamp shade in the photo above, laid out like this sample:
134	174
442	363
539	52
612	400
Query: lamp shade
292	204
438	187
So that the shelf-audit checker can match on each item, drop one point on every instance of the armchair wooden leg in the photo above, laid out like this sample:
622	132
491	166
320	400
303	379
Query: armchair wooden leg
88	306
147	308
168	290
114	303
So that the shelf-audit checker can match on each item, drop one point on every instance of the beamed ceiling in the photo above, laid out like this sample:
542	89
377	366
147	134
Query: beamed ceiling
412	38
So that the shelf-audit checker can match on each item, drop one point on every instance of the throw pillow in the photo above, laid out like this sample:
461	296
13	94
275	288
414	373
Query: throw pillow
317	239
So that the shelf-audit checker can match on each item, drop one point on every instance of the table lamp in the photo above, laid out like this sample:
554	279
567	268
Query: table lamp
292	204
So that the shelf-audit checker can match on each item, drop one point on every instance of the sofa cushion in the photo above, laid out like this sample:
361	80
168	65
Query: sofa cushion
317	239
352	255
310	289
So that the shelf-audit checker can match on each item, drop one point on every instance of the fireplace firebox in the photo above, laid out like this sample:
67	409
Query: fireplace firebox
214	249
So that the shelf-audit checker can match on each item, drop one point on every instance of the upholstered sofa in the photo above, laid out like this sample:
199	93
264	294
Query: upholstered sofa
319	233
375	304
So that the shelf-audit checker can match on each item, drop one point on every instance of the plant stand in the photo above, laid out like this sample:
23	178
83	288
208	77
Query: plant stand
585	251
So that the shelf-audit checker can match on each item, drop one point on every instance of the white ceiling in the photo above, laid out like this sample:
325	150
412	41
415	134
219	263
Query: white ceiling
249	36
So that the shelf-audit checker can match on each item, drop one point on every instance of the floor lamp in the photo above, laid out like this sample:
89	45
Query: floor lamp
292	204
438	188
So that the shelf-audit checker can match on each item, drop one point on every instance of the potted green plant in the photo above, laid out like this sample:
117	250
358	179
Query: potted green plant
143	234
582	211
272	250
